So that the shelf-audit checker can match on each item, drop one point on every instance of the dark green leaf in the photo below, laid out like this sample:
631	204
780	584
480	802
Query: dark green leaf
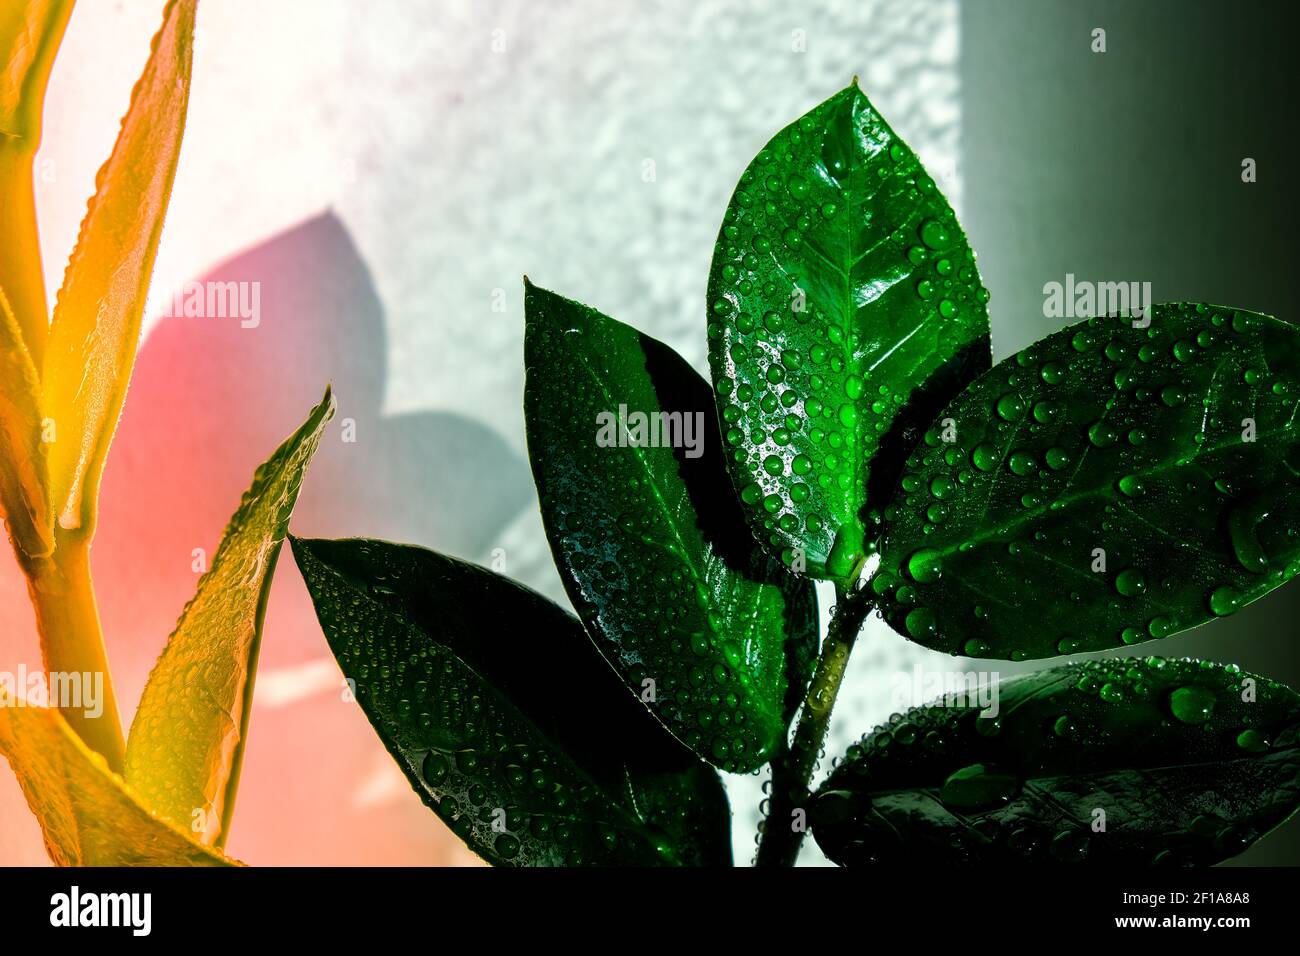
650	540
1170	452
1182	762
844	309
503	716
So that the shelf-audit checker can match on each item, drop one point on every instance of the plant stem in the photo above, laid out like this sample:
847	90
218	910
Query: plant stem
73	644
21	276
793	769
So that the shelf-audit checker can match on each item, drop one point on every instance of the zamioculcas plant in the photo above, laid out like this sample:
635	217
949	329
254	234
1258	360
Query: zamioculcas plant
165	794
1120	481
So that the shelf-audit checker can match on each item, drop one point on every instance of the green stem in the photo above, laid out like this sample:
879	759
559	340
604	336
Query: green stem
793	769
73	644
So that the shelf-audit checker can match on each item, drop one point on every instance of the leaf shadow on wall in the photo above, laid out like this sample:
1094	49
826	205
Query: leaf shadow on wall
209	401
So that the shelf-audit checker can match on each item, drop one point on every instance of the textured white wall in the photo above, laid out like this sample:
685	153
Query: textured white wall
463	144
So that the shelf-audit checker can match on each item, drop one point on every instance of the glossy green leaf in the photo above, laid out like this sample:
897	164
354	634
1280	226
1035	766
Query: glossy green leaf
505	719
1106	486
187	741
649	537
844	309
1121	761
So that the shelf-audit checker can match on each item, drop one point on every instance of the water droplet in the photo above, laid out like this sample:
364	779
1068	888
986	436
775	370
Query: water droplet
984	457
1102	434
977	787
1047	411
1066	727
1192	704
1132	635
507	846
1131	582
1160	626
1242	522
1010	407
1253	741
1225	600
934	234
1172	396
925	566
1133	486
921	624
434	769
1056	458
1022	463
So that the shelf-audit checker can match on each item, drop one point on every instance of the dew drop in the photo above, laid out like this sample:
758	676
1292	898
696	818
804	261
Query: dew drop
1224	601
1253	741
1192	704
977	788
984	457
1131	582
925	566
1102	434
934	234
1010	407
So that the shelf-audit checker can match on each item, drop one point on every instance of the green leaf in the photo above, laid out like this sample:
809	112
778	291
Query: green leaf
1182	762
187	740
650	540
1106	486
844	309
503	716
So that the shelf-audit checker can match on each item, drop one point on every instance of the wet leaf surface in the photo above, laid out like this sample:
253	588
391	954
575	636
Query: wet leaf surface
844	309
504	717
187	739
650	540
1123	761
1106	486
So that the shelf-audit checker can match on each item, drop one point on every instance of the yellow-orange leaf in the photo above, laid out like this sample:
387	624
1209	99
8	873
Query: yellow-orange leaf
22	454
97	315
187	740
88	814
30	32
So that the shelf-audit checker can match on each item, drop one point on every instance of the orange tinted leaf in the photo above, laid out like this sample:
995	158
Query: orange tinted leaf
187	739
88	814
22	454
30	33
96	324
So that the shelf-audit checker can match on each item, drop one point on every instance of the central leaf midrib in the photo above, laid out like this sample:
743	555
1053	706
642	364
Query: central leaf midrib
1037	780
651	478
1069	501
